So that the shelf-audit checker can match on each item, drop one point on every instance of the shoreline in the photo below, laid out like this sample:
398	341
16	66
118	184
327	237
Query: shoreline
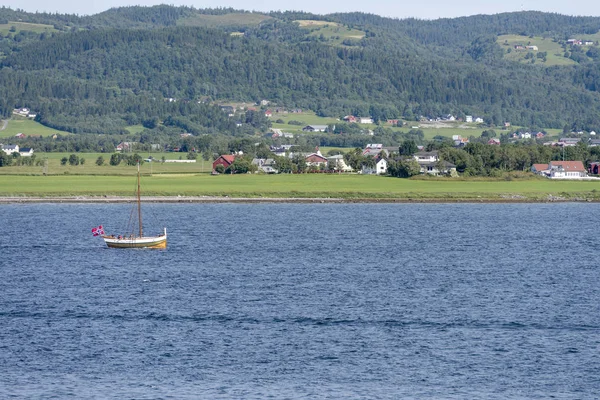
258	200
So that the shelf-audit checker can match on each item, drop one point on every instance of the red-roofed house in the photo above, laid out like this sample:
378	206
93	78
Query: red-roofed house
224	160
567	170
540	169
316	159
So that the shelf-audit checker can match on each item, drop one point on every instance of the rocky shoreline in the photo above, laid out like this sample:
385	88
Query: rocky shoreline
227	199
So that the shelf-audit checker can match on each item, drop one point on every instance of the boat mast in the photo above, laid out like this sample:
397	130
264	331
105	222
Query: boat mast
139	203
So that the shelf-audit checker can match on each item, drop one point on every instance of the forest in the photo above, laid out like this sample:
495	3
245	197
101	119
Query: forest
170	67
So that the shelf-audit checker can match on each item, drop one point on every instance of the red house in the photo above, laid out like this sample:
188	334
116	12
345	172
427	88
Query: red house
224	160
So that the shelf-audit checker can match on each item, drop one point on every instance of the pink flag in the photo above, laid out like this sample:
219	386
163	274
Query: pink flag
98	231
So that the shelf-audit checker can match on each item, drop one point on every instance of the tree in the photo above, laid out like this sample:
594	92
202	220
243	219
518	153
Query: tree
64	161
5	160
73	159
192	155
404	168
100	161
408	148
220	168
115	159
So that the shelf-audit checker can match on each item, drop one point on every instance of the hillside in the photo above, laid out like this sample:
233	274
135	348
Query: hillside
136	65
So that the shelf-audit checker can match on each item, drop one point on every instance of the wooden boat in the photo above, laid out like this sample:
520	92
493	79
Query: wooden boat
137	241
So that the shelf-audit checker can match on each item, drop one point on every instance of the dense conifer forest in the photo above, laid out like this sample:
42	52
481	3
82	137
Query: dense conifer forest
175	65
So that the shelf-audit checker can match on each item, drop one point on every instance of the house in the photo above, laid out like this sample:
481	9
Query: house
10	148
566	142
266	165
281	150
20	135
373	149
366	120
540	169
315	159
338	164
534	48
268	113
426	156
594	143
494	141
459	141
380	168
507	124
315	128
468	118
26	151
588	43
567	170
429	161
479	120
525	135
224	160
279	133
350	119
594	168
539	135
395	122
125	146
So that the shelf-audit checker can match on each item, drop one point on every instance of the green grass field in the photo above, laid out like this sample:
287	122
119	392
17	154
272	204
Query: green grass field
333	32
310	118
295	186
90	167
554	50
25	26
28	127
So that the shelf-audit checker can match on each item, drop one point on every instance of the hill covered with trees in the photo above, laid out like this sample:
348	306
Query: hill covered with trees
174	65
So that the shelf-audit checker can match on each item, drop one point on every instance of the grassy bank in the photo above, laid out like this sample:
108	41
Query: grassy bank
297	186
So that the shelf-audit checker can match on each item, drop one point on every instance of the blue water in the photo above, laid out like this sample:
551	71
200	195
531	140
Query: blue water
338	301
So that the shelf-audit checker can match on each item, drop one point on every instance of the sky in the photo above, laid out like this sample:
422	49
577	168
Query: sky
428	9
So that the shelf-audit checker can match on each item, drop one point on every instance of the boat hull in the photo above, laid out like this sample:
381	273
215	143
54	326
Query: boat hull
152	242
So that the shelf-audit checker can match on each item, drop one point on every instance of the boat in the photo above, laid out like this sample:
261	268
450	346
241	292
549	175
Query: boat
137	240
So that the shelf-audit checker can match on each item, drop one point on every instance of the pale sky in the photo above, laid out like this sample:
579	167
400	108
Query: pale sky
428	9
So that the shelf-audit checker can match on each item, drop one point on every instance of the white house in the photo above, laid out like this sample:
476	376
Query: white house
366	120
567	170
10	148
429	161
479	120
469	118
338	163
315	128
426	156
26	151
380	168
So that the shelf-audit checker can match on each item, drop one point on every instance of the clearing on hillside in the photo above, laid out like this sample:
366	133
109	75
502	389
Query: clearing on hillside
533	50
16	27
332	32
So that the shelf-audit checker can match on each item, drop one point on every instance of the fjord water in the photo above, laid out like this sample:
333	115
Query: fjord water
302	301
